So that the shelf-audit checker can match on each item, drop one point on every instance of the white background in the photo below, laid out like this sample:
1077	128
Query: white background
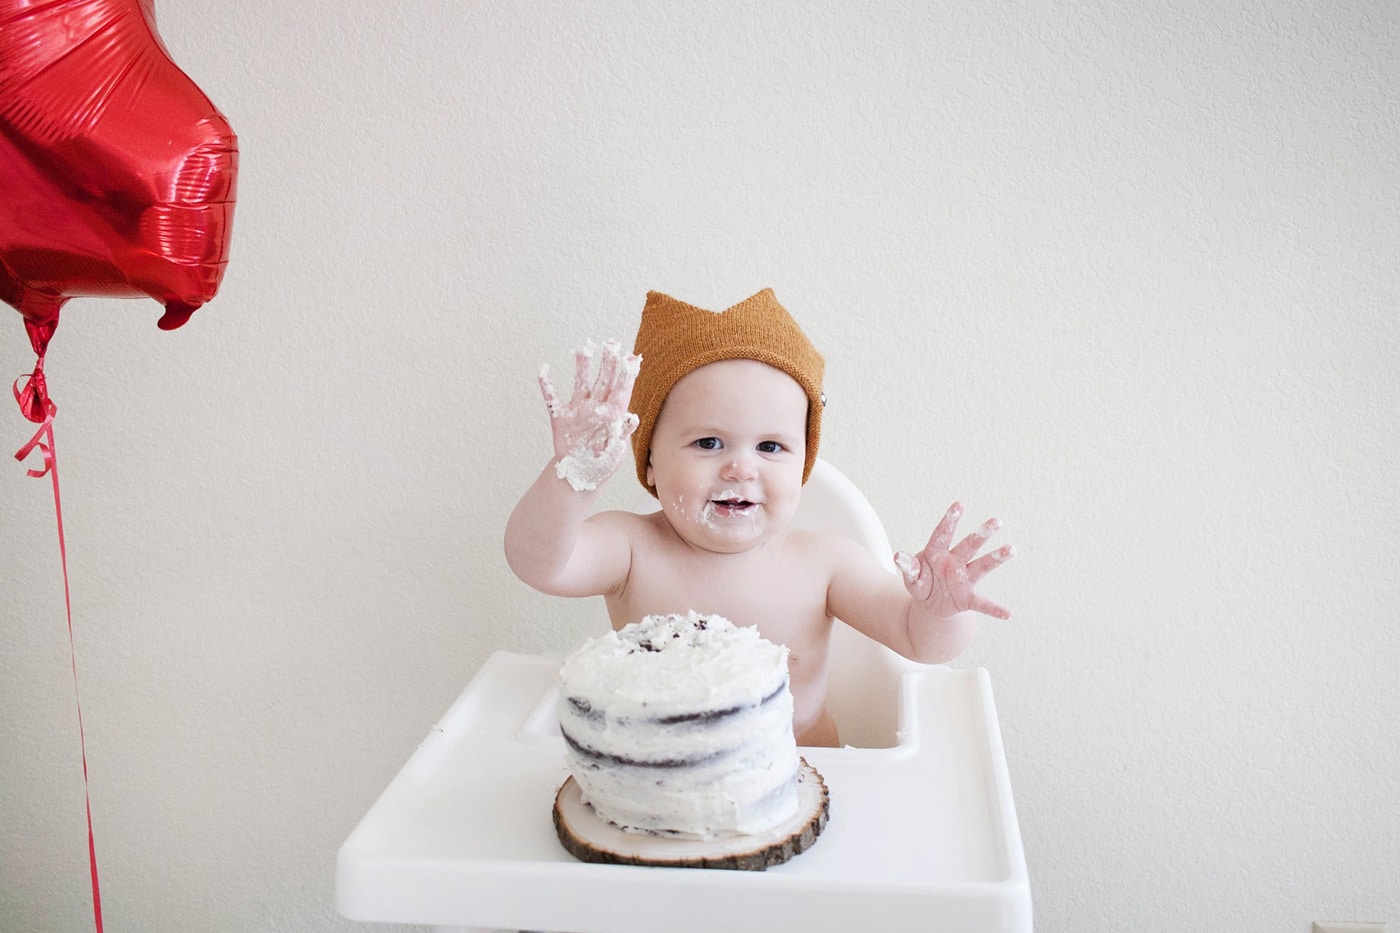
1122	274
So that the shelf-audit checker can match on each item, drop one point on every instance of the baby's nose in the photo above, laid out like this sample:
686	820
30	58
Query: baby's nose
739	468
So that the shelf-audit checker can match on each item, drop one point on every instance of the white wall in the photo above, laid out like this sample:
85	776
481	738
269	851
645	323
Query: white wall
1122	274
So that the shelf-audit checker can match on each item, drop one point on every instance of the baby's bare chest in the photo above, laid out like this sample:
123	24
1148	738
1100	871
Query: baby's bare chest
784	598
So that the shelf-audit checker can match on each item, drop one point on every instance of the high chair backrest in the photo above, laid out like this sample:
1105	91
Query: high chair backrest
863	679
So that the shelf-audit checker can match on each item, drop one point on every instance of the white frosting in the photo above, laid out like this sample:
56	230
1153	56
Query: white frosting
907	566
682	725
593	458
594	454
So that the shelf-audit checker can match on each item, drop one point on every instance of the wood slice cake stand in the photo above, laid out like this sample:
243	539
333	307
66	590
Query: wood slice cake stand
590	838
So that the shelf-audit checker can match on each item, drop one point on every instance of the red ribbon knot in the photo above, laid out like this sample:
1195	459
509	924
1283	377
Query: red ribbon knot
32	395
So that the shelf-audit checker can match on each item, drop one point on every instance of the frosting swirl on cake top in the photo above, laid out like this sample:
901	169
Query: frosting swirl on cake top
688	664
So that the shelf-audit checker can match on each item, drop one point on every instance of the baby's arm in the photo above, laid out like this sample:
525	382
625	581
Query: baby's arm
553	542
930	617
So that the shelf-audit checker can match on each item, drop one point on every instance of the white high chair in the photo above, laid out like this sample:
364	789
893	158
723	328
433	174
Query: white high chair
922	836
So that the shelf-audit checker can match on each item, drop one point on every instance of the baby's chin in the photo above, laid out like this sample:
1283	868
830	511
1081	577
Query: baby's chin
725	530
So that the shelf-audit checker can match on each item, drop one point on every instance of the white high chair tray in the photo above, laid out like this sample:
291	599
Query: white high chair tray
922	835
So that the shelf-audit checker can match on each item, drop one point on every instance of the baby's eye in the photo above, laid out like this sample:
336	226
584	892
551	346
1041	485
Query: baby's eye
708	443
769	447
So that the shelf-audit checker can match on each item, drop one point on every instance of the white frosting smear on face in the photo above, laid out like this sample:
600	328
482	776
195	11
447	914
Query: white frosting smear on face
707	511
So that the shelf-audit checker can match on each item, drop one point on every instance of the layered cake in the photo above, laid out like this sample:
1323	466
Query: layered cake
680	727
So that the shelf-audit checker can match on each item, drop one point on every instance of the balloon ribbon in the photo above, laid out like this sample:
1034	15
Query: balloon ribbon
33	397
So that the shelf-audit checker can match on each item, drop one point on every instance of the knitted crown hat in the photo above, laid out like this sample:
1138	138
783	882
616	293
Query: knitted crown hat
675	338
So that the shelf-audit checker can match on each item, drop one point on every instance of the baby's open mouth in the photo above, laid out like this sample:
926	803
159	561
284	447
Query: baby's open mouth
733	505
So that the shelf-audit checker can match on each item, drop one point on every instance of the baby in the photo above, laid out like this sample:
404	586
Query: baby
727	418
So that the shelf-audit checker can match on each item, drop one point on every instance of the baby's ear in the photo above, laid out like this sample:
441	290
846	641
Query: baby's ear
651	480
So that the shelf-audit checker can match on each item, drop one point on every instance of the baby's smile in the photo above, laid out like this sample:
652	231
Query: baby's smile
729	503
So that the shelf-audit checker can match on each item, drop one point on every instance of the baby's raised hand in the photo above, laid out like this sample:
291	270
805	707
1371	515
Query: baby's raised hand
943	579
592	428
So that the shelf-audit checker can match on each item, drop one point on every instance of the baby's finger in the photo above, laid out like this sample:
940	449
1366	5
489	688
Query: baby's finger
968	547
943	533
911	570
908	566
607	371
627	370
551	395
985	564
989	608
583	370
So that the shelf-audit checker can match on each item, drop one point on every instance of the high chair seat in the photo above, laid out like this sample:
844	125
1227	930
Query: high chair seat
923	831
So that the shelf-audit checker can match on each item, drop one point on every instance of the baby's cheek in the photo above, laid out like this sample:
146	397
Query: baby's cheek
682	510
693	511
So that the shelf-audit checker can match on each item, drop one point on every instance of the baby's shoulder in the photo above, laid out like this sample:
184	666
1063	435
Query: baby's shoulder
810	544
637	526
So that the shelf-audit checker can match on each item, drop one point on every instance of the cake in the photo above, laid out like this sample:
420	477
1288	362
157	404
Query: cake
682	725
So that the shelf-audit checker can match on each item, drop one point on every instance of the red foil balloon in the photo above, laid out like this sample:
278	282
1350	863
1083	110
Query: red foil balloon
117	174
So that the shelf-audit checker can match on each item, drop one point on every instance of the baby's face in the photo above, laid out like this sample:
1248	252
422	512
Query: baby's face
727	454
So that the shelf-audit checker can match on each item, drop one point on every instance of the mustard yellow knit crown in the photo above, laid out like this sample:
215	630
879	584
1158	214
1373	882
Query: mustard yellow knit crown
675	338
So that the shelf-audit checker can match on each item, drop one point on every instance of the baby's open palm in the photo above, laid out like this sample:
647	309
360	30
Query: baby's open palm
591	429
944	579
